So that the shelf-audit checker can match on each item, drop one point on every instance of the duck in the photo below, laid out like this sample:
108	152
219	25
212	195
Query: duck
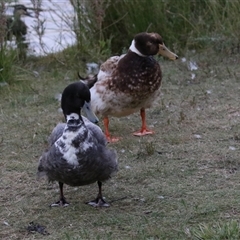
77	154
15	26
130	82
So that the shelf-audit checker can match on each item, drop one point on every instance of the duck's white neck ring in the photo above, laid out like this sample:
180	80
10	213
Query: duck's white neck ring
134	49
74	116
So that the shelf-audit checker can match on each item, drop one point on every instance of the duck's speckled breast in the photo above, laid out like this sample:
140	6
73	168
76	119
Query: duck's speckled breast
137	76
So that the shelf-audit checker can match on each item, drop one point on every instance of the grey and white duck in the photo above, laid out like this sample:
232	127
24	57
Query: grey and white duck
131	82
78	154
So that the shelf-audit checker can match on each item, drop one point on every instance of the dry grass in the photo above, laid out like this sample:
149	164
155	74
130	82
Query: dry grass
185	175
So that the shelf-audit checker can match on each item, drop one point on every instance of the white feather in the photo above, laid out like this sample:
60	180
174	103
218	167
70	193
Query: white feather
68	151
134	49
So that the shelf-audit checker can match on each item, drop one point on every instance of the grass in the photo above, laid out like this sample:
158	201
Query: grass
181	183
183	24
7	65
229	230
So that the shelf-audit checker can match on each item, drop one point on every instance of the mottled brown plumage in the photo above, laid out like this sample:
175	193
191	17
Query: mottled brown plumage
141	81
130	82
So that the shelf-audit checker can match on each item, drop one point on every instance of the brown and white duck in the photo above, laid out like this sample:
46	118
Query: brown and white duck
78	153
131	82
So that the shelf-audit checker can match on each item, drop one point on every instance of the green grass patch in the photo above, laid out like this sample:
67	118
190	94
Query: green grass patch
181	183
223	230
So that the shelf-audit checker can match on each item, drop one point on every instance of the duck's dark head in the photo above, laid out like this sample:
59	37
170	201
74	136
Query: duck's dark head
149	44
74	97
21	10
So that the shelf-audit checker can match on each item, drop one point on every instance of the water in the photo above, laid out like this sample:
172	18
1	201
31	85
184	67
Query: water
56	21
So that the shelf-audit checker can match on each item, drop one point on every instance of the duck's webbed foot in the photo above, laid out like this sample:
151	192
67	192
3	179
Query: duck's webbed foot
98	202
143	132
112	139
61	203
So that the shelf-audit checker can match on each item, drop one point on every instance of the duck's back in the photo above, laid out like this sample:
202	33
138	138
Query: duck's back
56	133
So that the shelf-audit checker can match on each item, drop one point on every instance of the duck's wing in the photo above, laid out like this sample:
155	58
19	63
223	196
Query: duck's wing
102	164
108	67
43	163
96	131
50	164
56	133
101	96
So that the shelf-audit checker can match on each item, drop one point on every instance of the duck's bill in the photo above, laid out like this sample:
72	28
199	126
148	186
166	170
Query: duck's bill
90	115
164	51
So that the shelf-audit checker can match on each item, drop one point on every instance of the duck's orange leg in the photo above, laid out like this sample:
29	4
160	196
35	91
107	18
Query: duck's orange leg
107	134
144	130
